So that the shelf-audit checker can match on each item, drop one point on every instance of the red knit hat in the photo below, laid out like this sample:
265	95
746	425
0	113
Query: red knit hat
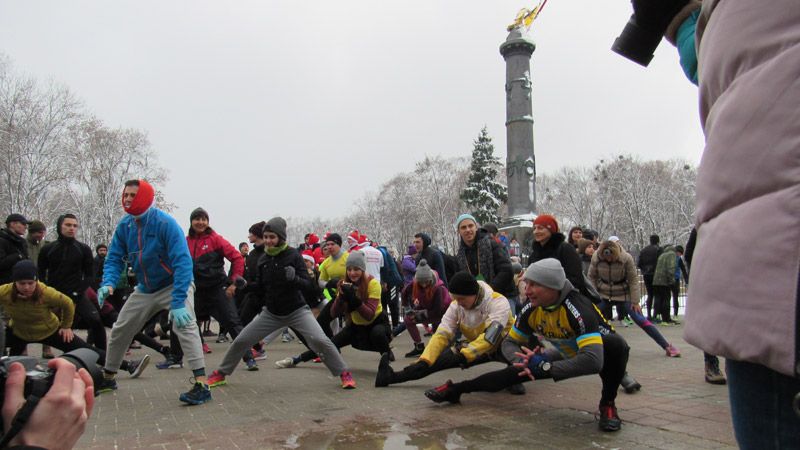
143	199
313	239
547	221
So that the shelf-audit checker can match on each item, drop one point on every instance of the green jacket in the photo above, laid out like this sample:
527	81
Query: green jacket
665	267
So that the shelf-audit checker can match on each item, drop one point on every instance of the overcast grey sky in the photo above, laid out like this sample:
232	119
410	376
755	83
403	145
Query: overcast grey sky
259	108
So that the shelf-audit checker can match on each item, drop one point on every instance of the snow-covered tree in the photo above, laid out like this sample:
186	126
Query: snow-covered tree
484	195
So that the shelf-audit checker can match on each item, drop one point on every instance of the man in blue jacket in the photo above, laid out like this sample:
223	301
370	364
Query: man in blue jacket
154	245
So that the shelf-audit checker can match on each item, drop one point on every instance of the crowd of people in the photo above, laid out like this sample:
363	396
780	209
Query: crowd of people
481	304
549	320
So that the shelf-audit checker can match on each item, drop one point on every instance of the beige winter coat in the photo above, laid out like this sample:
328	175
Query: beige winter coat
743	299
616	280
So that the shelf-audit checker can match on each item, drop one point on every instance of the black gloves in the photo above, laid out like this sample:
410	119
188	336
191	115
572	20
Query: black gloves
332	283
349	295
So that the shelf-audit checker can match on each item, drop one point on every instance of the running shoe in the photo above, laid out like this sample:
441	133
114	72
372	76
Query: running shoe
347	380
216	379
251	364
206	348
444	393
609	420
137	367
222	338
672	351
286	336
107	385
317	360
285	363
199	394
170	363
258	355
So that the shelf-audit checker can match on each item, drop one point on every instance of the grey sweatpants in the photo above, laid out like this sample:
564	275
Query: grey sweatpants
139	308
301	320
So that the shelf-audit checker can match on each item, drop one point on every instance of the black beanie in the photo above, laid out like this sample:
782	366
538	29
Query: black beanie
462	283
198	212
276	225
24	270
334	237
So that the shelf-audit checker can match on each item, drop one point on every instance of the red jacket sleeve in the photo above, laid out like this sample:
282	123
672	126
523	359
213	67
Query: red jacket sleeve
232	255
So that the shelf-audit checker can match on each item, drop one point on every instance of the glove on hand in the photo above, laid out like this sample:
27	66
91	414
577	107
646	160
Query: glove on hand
290	273
180	317
349	295
535	366
102	294
332	283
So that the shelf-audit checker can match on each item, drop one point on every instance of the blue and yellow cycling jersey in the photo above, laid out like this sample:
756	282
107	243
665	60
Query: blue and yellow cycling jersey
574	324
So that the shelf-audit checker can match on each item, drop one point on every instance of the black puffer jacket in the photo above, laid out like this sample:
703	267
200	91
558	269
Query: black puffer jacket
557	247
282	297
66	264
13	249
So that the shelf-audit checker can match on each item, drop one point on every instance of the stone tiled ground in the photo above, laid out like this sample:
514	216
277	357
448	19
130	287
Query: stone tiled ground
304	407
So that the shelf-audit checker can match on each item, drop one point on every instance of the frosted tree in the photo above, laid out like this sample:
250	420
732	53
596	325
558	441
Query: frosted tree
484	195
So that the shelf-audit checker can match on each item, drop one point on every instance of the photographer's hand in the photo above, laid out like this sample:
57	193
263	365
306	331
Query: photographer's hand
66	334
58	421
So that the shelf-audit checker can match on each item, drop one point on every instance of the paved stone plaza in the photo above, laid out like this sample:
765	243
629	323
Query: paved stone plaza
304	407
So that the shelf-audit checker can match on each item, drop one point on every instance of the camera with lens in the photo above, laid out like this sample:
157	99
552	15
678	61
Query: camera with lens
39	378
645	28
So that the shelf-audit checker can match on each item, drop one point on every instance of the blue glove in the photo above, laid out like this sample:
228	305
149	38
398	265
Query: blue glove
181	317
539	366
102	293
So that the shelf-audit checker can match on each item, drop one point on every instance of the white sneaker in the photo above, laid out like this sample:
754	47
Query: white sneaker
285	363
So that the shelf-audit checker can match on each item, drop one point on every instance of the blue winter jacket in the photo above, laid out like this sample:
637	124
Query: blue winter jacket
156	248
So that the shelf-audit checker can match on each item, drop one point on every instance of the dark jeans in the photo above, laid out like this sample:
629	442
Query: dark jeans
217	304
374	337
675	289
87	317
662	294
762	406
648	285
607	308
615	360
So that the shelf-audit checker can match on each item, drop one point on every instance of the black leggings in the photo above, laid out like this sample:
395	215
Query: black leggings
615	360
374	337
111	317
446	360
87	317
17	345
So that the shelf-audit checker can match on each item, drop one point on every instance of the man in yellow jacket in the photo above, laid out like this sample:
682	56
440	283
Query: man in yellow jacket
483	317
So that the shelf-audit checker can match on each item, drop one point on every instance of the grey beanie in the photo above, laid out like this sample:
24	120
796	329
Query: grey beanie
356	259
547	272
424	272
276	225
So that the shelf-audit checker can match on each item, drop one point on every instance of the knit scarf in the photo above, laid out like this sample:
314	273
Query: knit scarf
485	266
274	251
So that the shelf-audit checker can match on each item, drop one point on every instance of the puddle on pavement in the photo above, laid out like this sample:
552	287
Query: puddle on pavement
368	434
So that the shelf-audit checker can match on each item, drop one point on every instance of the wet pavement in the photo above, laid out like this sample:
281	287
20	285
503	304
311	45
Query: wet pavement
304	408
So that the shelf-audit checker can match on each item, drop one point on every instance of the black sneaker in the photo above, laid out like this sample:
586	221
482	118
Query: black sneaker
516	389
385	372
445	392
171	362
609	420
107	385
629	384
137	367
419	347
199	394
222	338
